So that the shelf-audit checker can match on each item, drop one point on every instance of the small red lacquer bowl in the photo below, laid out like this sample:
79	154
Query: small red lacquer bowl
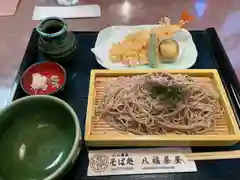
47	69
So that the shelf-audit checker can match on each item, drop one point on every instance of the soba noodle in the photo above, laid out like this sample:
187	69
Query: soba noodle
133	105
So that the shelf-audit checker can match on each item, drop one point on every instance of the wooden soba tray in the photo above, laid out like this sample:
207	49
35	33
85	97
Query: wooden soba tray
98	132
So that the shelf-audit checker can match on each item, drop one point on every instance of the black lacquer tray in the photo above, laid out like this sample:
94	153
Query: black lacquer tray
211	55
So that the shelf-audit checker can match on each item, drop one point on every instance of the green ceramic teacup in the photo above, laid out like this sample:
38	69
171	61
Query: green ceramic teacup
39	138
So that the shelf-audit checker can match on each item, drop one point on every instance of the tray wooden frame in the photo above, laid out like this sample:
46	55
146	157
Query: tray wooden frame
162	140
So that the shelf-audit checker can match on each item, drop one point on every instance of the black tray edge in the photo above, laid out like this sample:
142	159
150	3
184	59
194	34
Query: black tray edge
29	52
226	70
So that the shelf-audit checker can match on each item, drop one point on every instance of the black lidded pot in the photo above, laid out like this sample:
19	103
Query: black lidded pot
55	42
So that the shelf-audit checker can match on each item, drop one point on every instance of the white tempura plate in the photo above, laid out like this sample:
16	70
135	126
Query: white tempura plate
106	37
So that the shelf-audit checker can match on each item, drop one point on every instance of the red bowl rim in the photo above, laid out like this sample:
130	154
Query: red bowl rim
35	64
